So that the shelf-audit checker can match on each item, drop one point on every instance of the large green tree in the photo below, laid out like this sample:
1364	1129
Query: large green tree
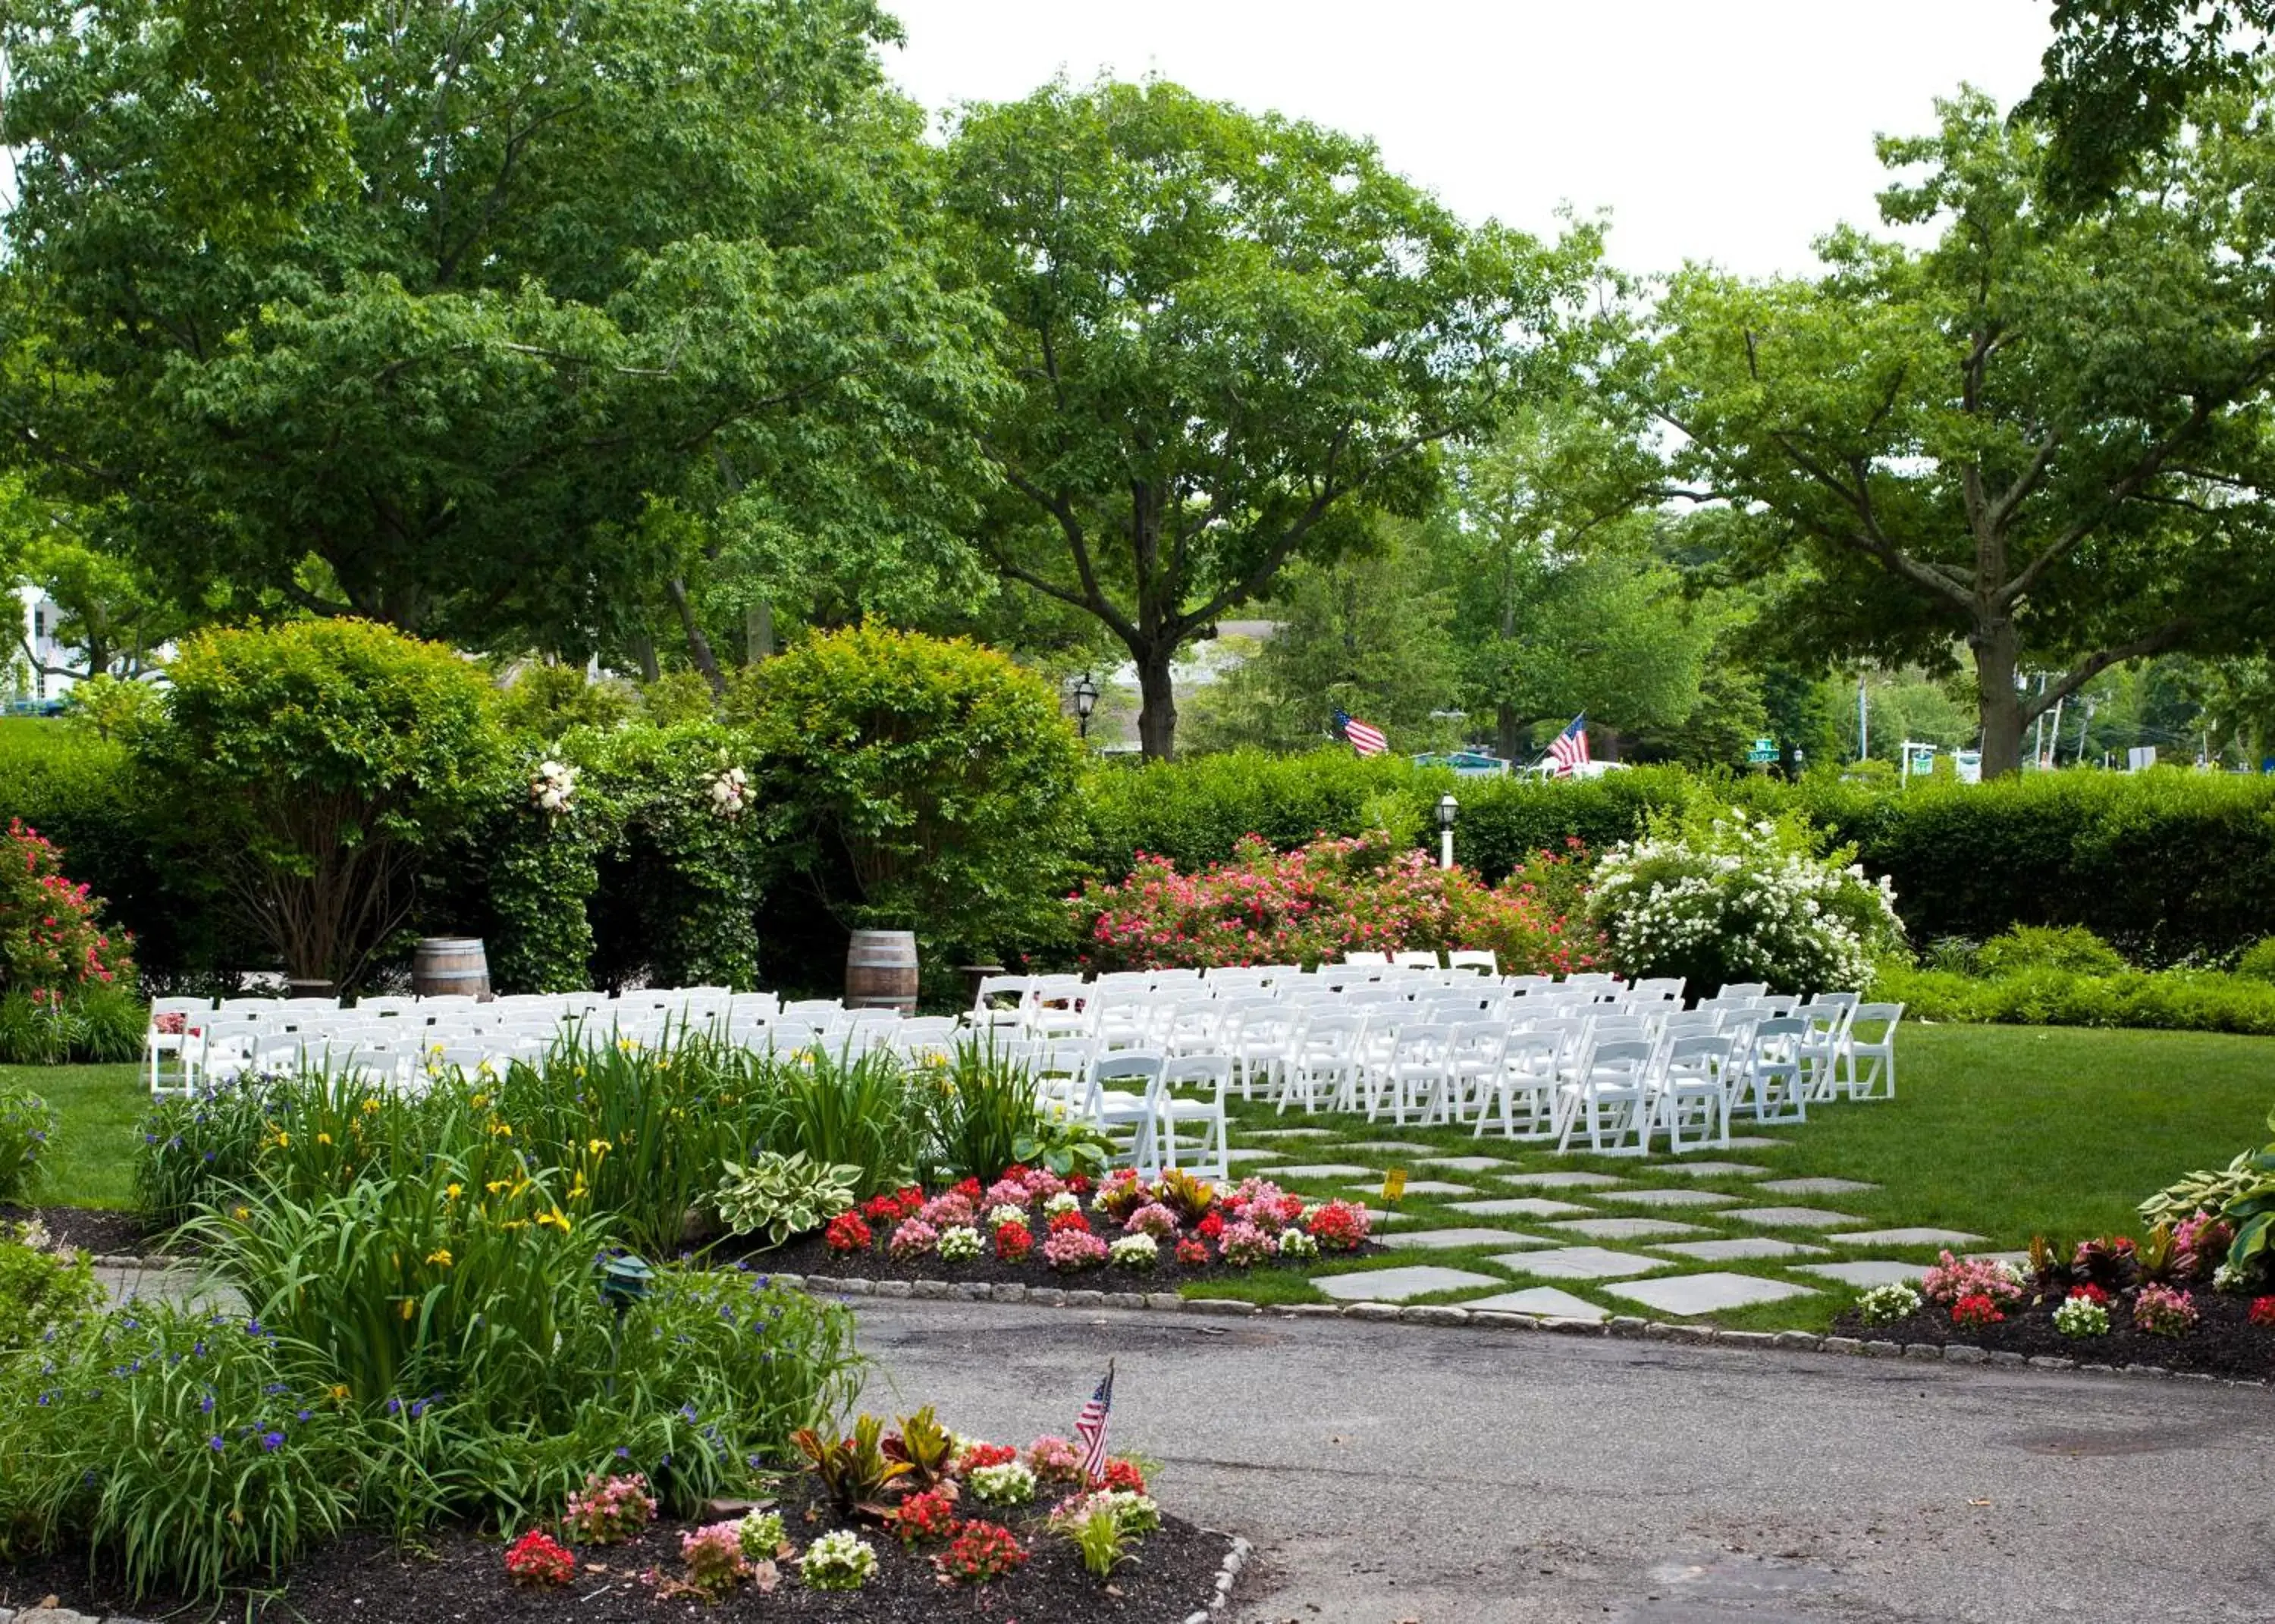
1231	336
497	281
2044	436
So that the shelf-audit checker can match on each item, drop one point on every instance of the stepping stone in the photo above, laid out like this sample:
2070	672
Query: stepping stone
1519	1207
1867	1274
1816	1187
1577	1263
1711	1169
1560	1181
1753	1142
1543	1300
1739	1247
1418	1187
1327	1170
1707	1293
1252	1154
1790	1217
1669	1198
1906	1237
1390	1147
1464	1164
1434	1240
1626	1228
1287	1133
1397	1285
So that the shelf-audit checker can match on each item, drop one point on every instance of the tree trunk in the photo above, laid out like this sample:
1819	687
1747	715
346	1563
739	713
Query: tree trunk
1505	727
643	651
1998	704
698	644
1157	717
758	632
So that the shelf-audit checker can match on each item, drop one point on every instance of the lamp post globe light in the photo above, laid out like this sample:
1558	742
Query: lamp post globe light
1085	701
1448	809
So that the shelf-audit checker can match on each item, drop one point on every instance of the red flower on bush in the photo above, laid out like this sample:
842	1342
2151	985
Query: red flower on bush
1079	1183
1975	1309
977	1456
881	1208
1339	1227
1121	1473
1014	1242
1071	1218
538	1559
970	1190
2263	1311
52	941
928	1515
981	1553
1211	1227
847	1233
1191	1252
2091	1293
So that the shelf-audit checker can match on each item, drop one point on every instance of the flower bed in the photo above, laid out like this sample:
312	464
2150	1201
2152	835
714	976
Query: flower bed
1125	1234
2091	1304
1026	1567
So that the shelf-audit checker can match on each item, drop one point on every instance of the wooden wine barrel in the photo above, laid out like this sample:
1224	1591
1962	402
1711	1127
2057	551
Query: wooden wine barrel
880	971
446	965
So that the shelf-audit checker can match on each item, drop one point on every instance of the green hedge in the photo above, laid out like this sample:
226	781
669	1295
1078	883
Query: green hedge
2176	1000
2171	866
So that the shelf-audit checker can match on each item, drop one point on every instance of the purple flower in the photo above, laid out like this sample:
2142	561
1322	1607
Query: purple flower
271	1441
213	1443
301	1415
395	1406
205	1404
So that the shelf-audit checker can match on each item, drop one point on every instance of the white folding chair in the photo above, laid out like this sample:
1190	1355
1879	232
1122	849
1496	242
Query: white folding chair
1611	1096
1420	1063
1129	1121
1523	1095
1774	1074
1879	1082
1193	1131
1483	959
177	1029
1325	1055
1828	1015
1691	1091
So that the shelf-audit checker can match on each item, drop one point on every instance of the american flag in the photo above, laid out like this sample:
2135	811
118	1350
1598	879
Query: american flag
1364	737
1090	1426
1570	748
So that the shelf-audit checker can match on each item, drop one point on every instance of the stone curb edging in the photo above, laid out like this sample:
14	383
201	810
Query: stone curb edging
1436	1314
1227	1575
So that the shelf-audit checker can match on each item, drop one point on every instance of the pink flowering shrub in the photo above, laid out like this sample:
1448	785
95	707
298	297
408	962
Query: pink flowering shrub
1007	1191
1042	1183
1070	1250
713	1555
1263	1204
913	1239
1244	1245
2159	1311
539	1559
52	941
1954	1278
1152	1219
608	1513
950	1210
1320	902
2200	1244
1054	1460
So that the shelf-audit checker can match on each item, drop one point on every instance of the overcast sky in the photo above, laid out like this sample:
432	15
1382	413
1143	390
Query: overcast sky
1733	131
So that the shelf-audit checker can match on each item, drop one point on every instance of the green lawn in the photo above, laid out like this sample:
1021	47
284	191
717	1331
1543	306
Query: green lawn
2004	1132
91	1160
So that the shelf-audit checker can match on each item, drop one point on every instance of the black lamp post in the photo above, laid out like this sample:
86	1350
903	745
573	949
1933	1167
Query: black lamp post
1448	809
1085	701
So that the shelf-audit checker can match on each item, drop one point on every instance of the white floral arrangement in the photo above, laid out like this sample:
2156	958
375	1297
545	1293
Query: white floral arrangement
1134	1252
1008	1483
999	1216
1884	1305
958	1244
552	786
761	1534
730	790
1295	1244
1725	897
1065	1201
840	1560
2082	1317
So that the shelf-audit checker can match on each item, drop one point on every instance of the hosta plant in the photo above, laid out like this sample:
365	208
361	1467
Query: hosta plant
779	1196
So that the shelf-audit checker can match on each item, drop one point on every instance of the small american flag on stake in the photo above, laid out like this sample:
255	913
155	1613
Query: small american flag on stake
1364	737
1090	1427
1570	748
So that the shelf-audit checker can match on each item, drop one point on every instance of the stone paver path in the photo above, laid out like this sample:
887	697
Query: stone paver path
1578	1263
1440	1240
1518	1206
1544	1300
1866	1273
1624	1228
1686	1295
1790	1217
1398	1284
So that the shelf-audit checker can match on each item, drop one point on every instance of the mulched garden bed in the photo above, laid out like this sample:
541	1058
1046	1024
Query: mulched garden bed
367	1579
98	1230
809	1255
2224	1342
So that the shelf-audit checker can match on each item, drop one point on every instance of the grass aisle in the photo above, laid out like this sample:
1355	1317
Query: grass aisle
91	1160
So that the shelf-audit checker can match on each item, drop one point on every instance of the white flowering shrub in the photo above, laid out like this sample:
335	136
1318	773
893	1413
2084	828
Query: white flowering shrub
1715	896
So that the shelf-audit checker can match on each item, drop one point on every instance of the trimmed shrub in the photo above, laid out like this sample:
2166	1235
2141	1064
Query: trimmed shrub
2070	948
940	774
